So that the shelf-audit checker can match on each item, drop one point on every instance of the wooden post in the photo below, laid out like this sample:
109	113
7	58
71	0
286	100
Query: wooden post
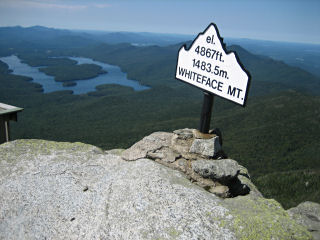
7	113
206	112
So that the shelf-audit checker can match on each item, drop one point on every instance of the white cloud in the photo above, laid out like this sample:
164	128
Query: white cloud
55	6
42	4
52	4
103	5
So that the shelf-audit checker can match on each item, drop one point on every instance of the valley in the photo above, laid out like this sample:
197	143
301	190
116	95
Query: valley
276	136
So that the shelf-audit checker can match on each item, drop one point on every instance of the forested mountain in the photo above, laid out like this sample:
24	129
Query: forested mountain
302	55
276	136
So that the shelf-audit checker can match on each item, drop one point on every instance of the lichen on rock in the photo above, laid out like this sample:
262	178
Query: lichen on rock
307	214
260	218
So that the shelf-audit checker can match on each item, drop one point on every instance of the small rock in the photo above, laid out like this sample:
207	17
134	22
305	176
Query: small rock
205	183
220	191
206	147
221	170
184	134
181	146
181	164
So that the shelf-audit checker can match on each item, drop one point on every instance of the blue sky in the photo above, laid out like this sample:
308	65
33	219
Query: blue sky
281	20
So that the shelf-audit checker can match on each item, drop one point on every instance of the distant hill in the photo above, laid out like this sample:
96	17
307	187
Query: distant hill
302	55
268	70
39	34
140	38
36	34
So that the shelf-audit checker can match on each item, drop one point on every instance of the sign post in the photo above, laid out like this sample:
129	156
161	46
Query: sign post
206	112
209	66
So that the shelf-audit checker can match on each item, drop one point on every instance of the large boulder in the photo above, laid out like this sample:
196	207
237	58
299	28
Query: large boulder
223	170
51	190
308	215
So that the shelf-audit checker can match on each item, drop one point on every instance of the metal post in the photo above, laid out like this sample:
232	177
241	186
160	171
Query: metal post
3	131
7	126
206	112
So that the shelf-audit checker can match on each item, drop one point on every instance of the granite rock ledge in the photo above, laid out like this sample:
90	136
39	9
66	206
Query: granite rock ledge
57	190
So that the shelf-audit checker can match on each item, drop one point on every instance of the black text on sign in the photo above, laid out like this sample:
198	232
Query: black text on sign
209	66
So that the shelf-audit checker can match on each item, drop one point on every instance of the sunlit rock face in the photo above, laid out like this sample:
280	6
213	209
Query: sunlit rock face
54	190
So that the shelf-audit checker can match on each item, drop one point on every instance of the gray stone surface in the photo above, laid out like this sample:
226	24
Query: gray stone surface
185	133
308	215
182	145
117	151
182	164
206	147
165	154
51	190
150	143
222	170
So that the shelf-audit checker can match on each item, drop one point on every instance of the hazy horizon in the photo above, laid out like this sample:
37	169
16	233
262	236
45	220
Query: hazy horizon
283	20
192	37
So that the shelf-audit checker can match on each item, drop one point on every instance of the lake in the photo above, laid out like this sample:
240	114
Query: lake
114	76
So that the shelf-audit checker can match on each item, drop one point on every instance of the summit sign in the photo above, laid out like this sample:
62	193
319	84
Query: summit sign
207	65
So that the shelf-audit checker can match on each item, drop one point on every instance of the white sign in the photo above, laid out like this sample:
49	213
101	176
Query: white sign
208	66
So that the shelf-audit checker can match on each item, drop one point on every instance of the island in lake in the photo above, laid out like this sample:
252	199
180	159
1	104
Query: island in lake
72	72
